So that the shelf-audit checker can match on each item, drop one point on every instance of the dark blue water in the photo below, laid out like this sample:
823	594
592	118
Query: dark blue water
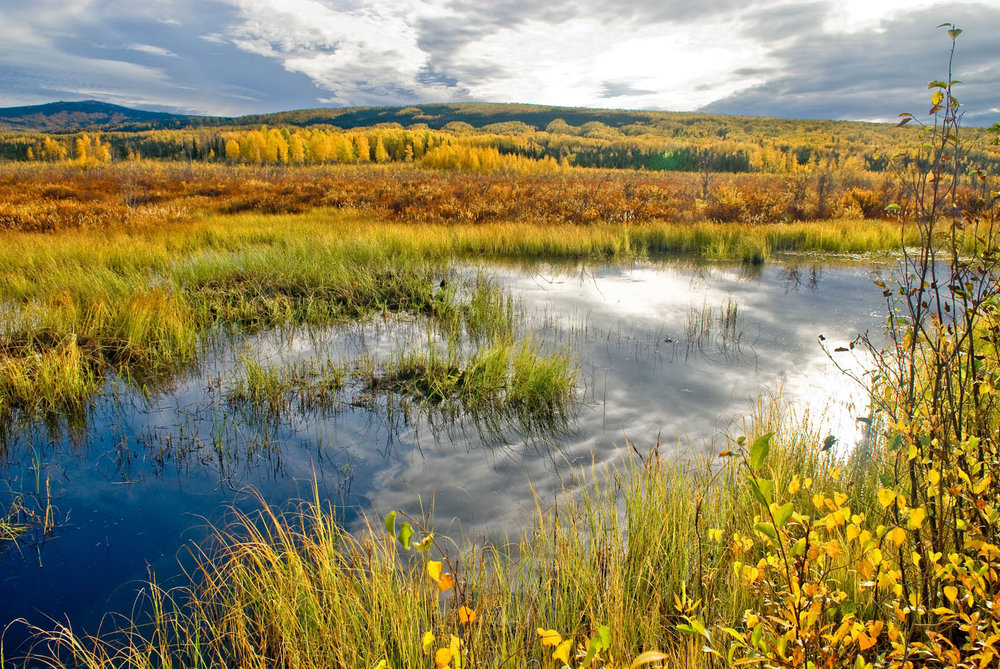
145	479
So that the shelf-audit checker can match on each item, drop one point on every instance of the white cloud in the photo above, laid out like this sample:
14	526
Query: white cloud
372	53
659	54
152	50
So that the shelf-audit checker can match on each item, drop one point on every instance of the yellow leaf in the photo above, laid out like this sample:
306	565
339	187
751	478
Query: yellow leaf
897	536
434	570
818	501
648	657
951	592
916	518
424	544
442	657
562	651
428	642
466	615
793	486
865	642
852	532
833	548
549	637
933	476
839	498
383	664
886	497
446	582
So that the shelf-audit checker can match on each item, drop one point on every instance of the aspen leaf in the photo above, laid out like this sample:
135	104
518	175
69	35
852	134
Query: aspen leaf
446	582
434	570
886	497
897	536
916	518
427	642
549	637
424	544
562	651
442	657
951	592
466	615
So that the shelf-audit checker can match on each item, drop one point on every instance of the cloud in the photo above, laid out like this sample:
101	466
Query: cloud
876	73
824	58
621	89
402	51
152	50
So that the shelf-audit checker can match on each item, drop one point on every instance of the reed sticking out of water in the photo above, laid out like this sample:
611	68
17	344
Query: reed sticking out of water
297	589
307	386
504	376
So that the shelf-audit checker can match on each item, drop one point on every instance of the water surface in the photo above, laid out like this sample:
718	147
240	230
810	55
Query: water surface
669	355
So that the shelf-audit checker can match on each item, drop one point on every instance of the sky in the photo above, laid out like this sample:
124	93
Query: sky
830	59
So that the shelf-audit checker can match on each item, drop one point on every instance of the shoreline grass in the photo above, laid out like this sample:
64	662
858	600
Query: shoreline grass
81	304
295	588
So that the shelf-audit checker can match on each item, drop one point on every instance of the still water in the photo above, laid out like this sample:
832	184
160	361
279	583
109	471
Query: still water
667	354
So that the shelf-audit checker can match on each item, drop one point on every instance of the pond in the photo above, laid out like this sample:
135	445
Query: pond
666	355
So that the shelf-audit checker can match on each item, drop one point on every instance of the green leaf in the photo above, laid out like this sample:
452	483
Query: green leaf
603	641
390	523
758	630
763	490
759	450
604	633
894	206
782	515
799	547
405	532
767	529
937	84
955	32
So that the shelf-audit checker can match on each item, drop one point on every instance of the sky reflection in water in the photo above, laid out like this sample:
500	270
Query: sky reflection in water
147	478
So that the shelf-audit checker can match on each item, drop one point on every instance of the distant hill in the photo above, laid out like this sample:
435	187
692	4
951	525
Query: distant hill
476	114
86	115
58	117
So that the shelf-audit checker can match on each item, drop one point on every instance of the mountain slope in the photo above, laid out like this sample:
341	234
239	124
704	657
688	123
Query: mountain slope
85	115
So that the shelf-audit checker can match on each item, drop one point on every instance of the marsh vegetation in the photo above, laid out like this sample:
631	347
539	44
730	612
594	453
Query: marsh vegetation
523	363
